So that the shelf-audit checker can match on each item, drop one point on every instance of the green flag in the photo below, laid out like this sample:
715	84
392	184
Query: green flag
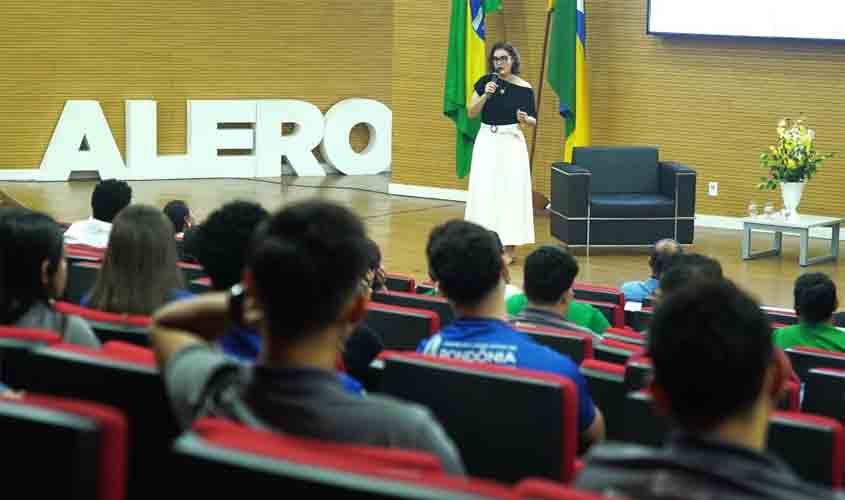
562	56
466	63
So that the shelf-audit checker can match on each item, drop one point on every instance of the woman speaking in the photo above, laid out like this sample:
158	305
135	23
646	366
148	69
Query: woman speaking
500	180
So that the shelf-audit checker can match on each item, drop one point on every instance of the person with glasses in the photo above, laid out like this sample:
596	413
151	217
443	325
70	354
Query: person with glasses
500	197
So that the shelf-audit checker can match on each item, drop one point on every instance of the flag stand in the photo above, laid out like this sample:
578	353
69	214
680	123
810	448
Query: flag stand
539	200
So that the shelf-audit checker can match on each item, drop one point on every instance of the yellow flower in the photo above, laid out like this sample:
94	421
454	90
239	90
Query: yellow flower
791	164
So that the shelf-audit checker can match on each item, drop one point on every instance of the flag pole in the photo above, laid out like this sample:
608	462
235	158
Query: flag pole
540	201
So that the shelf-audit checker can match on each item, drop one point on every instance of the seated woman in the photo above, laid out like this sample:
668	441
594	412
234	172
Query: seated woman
140	271
815	301
33	273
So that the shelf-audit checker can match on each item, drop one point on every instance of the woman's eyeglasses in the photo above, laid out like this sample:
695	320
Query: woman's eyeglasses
502	59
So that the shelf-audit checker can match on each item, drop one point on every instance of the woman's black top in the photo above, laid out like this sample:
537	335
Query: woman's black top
500	108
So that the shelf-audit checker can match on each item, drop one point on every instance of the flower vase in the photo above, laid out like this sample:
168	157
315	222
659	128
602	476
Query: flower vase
791	193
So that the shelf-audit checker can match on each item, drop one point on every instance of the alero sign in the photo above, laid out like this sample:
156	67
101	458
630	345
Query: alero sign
83	140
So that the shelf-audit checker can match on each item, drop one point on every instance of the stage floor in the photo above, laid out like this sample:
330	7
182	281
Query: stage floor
401	225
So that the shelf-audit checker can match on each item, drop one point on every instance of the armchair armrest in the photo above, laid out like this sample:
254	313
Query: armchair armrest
677	181
570	190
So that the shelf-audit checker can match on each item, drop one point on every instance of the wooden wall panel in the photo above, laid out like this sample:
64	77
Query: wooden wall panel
711	103
321	51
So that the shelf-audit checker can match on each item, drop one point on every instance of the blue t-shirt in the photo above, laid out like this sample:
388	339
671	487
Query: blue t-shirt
638	291
243	344
495	341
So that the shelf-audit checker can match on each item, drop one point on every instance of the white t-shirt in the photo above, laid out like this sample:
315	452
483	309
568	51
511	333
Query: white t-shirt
91	232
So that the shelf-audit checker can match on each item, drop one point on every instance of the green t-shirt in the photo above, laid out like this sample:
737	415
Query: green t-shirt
584	315
821	336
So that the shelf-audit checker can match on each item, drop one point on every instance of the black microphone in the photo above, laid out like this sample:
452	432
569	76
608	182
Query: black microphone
495	80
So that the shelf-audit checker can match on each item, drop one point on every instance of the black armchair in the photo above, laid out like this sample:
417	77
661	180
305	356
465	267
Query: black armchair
621	196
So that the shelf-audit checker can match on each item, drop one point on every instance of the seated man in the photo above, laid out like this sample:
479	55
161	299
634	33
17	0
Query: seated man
292	388
722	413
109	197
661	255
180	215
815	301
464	260
548	278
220	246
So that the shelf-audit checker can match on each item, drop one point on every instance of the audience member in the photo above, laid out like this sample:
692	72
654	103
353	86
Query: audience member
469	268
815	301
375	273
180	215
33	274
661	254
582	314
139	271
292	388
548	278
685	270
110	197
722	414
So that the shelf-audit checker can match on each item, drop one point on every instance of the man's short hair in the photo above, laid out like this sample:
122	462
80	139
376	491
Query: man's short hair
464	260
220	243
177	211
815	297
710	345
549	272
662	254
110	197
308	260
688	269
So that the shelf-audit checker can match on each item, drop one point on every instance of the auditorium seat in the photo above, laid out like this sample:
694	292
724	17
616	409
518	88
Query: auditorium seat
639	320
437	304
606	382
191	271
509	424
614	351
625	335
111	326
600	293
15	344
615	313
81	277
823	392
576	345
541	489
126	378
400	283
401	328
229	459
643	425
200	285
424	287
62	448
780	315
812	445
806	358
638	373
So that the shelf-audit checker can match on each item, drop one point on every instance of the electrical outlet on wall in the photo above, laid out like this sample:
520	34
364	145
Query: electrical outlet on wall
713	189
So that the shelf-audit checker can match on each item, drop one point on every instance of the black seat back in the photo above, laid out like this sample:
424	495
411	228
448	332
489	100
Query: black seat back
606	382
437	304
508	424
811	445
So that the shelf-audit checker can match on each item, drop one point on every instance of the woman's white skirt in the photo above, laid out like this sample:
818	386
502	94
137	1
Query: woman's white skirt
500	196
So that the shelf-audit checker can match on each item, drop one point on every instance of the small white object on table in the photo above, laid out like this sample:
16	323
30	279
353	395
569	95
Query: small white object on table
800	225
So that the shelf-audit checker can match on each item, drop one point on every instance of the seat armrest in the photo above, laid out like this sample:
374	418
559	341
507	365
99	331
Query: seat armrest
677	182
570	190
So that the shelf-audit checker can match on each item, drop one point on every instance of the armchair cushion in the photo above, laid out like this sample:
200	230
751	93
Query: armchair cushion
619	169
631	206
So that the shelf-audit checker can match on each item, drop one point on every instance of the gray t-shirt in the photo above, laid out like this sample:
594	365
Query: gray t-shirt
539	317
73	329
303	402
